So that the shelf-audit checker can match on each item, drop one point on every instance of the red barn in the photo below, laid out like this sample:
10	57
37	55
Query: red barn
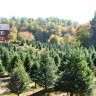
4	31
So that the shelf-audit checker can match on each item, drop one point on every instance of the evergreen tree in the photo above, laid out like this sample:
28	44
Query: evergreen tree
46	76
34	70
5	59
2	68
14	62
19	80
27	63
91	59
74	74
22	55
57	59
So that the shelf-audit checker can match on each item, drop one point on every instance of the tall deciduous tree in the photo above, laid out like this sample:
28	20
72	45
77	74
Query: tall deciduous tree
54	39
12	36
83	35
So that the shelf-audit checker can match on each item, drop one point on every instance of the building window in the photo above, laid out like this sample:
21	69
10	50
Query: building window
2	38
2	32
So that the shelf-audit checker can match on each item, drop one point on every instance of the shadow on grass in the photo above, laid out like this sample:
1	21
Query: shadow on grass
42	92
5	93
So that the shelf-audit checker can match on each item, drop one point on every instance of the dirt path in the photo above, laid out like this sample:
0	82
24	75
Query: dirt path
3	85
4	91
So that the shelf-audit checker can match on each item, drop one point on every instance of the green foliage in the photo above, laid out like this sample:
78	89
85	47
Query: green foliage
22	56
76	65
57	60
19	80
46	75
74	74
83	35
5	59
34	71
90	55
41	28
27	63
15	61
5	44
12	36
2	69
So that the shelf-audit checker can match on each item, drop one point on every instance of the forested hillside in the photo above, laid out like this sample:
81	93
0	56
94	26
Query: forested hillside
51	30
45	30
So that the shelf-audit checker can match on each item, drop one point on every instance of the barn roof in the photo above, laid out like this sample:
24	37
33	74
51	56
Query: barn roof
4	27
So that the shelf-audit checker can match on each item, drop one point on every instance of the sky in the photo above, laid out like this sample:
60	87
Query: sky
75	10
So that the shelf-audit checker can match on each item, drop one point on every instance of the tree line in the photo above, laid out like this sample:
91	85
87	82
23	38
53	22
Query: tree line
41	29
51	30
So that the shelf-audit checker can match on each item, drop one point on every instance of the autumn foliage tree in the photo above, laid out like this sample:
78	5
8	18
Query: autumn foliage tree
12	36
25	36
54	39
83	35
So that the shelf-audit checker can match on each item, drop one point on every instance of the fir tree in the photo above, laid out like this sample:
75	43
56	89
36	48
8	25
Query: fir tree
34	70
5	59
19	80
74	74
2	68
27	63
46	76
16	61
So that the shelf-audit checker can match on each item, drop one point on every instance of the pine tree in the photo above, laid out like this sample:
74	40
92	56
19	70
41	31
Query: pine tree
74	74
27	63
2	68
46	76
91	59
14	62
22	55
57	59
19	80
34	70
5	59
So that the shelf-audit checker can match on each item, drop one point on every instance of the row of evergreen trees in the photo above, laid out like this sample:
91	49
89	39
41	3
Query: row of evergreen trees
69	68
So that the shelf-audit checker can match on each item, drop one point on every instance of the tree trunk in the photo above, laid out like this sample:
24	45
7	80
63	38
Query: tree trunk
71	94
35	85
45	88
45	82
